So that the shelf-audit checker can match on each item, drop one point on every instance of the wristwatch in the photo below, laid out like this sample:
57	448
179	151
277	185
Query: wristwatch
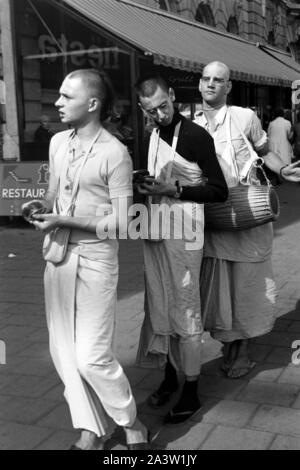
179	190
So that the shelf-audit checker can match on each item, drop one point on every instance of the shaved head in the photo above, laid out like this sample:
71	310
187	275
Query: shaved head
97	85
219	65
147	86
215	84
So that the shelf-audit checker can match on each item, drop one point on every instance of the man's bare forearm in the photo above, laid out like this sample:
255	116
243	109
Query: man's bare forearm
273	161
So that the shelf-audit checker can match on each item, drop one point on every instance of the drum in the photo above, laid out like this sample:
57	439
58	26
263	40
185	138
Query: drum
246	207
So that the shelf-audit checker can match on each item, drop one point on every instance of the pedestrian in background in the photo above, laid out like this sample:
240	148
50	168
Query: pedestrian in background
280	135
43	133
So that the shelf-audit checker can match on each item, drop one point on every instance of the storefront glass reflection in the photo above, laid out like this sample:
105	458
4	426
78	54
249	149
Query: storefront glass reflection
53	44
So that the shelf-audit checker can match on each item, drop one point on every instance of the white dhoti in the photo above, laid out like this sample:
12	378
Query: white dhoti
172	325
80	299
238	299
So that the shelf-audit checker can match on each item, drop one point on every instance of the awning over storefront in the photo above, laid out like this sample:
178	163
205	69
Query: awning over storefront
186	45
283	57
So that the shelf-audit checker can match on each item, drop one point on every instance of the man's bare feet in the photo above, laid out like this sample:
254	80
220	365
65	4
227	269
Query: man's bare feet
240	368
242	363
229	355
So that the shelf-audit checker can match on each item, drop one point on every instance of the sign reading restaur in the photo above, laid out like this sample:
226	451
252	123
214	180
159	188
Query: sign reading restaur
21	182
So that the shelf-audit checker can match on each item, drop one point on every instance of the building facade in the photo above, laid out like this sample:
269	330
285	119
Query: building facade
273	22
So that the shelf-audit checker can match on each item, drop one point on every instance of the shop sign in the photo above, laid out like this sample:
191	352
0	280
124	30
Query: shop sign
78	54
21	182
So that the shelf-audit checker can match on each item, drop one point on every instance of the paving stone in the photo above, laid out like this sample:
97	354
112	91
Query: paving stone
271	393
229	438
26	309
140	395
296	403
60	440
36	350
14	346
59	418
6	380
19	319
290	375
29	386
15	436
3	400
12	361
152	422
265	372
25	410
282	356
213	368
283	325
183	437
293	315
277	420
56	394
136	375
152	380
286	443
228	412
220	387
259	352
16	332
38	367
3	319
25	285
284	339
4	306
24	298
294	327
41	335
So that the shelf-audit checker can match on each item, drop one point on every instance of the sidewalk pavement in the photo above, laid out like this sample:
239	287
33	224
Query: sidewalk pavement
260	411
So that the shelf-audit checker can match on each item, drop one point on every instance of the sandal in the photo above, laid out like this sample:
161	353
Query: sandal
236	373
225	366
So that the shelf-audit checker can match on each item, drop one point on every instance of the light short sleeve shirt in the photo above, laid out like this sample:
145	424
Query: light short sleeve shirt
251	245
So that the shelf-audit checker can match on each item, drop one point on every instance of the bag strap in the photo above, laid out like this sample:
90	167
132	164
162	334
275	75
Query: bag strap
229	142
75	188
153	152
174	147
254	162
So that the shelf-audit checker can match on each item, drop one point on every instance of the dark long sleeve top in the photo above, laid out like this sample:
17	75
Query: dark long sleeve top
196	145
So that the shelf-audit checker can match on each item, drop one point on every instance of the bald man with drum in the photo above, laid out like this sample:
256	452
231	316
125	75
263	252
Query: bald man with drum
237	285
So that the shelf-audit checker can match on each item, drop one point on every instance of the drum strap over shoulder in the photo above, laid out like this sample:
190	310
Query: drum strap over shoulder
244	174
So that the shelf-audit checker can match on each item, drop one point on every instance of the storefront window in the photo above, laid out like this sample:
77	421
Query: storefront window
53	44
